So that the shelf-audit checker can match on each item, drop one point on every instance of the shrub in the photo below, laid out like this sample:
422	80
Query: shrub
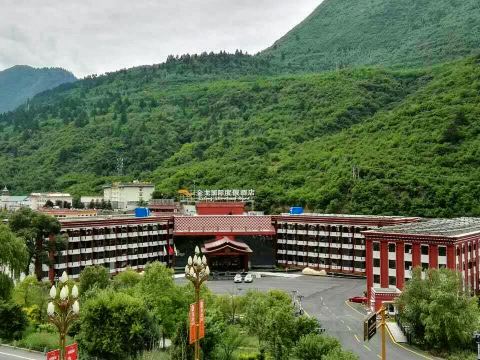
40	341
13	320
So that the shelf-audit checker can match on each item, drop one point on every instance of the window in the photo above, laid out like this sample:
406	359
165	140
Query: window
408	265
376	262
376	246
391	264
424	250
408	248
392	280
425	266
442	251
391	247
376	279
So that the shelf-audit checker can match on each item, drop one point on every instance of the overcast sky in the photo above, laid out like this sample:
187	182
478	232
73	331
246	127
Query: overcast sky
95	36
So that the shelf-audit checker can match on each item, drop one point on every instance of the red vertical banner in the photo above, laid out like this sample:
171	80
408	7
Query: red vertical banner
71	352
193	329
53	355
201	322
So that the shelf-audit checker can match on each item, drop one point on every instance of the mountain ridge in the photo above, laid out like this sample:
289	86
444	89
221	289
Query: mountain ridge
21	82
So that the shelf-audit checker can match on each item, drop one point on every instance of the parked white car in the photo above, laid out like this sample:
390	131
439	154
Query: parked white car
248	278
237	278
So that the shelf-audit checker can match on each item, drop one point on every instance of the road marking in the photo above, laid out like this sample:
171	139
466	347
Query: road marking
366	347
356	338
343	322
379	356
17	356
405	348
351	307
349	328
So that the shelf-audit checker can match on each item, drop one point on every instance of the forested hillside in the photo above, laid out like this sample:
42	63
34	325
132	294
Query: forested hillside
346	33
412	136
19	83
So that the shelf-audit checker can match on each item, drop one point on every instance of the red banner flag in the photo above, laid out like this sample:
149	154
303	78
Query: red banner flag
201	322
193	329
71	352
53	355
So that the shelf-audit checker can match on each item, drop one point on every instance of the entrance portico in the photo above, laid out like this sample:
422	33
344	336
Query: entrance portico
226	253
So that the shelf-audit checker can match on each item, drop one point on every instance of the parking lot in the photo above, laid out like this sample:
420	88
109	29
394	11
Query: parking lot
325	298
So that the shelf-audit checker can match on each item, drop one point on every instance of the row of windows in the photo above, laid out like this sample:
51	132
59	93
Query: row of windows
116	230
325	239
442	250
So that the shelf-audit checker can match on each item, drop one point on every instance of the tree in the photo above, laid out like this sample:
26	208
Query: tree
49	204
13	320
115	325
339	354
231	340
166	300
6	287
440	313
13	251
91	205
315	347
32	295
34	228
93	277
127	279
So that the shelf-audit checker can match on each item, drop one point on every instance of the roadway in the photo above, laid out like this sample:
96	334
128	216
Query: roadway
324	298
8	353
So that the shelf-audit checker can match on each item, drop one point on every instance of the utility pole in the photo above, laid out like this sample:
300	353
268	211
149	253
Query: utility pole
383	325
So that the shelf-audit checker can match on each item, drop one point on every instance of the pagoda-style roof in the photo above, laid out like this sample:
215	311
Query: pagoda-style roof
226	245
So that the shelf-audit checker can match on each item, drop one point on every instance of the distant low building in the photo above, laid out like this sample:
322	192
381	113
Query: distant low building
69	213
127	196
39	200
11	202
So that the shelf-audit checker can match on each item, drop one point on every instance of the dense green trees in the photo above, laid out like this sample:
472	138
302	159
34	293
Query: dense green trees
440	313
94	278
411	135
366	32
35	228
115	325
13	251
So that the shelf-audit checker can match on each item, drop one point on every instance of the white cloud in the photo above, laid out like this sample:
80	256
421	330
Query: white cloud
95	36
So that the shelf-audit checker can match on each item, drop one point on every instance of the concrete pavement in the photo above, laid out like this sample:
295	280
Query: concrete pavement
8	353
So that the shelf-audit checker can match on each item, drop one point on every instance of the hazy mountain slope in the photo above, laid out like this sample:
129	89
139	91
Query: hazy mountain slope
345	33
295	138
20	82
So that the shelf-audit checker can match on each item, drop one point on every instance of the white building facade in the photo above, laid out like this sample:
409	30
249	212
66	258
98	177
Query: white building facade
127	196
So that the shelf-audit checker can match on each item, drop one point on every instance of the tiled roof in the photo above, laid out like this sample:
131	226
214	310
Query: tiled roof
224	224
439	227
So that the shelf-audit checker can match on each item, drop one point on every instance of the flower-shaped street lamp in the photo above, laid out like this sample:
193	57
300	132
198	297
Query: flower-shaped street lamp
197	272
63	309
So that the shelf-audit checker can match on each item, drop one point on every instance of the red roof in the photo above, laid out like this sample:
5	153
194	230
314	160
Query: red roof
223	225
221	243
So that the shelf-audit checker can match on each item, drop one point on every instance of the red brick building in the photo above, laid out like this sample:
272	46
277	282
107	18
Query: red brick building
392	252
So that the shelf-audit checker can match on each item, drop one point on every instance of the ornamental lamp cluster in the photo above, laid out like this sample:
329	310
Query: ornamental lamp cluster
64	300
197	268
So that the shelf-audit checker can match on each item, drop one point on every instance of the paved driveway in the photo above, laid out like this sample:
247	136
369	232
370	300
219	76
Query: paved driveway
324	298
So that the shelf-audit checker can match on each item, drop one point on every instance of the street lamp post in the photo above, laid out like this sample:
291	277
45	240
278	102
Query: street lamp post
197	272
63	309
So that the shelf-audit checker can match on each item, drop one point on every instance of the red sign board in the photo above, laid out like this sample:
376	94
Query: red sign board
71	352
201	322
193	328
53	355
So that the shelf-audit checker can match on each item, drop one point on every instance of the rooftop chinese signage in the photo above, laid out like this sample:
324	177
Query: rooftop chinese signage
225	195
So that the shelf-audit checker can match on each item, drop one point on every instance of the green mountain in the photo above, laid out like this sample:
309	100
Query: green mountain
346	33
21	82
360	140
